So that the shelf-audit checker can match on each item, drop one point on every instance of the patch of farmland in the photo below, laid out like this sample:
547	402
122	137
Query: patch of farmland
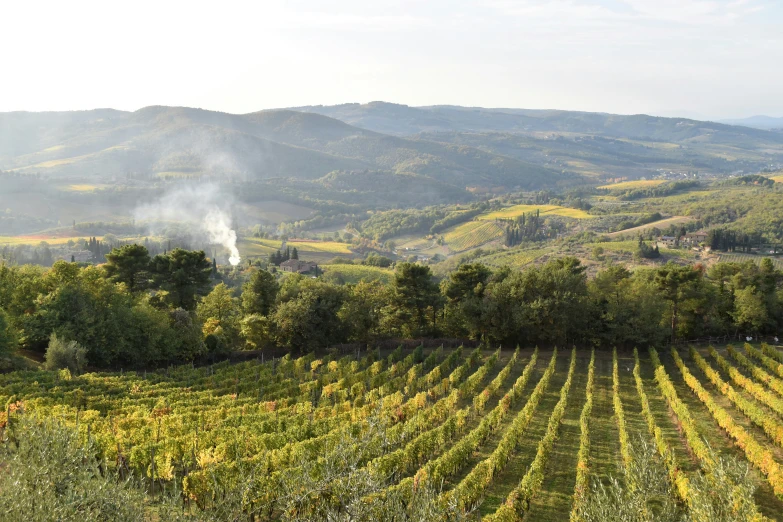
472	234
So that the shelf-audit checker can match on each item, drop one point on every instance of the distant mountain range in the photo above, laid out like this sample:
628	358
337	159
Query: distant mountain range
179	141
404	120
447	145
758	122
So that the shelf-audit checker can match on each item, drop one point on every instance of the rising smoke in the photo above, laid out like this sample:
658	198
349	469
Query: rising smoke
205	209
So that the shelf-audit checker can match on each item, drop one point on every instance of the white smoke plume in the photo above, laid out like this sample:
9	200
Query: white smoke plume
205	209
217	226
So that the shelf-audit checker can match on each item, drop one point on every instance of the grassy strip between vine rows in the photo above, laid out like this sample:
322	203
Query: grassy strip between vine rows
517	503
755	452
582	463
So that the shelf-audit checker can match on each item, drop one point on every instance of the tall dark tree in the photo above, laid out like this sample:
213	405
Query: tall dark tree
259	294
415	293
130	265
464	293
184	274
676	284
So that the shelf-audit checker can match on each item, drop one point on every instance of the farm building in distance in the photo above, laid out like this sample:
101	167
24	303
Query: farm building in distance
297	266
694	239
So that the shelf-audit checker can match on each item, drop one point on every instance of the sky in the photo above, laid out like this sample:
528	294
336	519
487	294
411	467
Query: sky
708	59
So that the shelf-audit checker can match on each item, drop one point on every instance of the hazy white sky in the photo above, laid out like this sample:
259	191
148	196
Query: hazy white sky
699	58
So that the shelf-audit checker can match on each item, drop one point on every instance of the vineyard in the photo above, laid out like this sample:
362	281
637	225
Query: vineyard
356	273
753	258
472	234
505	435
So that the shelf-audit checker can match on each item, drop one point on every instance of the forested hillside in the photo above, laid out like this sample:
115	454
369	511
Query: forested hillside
172	141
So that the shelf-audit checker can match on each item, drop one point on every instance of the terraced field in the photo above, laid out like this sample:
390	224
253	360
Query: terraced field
510	435
472	234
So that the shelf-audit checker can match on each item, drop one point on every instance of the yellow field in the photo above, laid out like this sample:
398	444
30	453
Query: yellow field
85	187
36	239
639	183
518	210
331	247
254	246
67	161
777	178
472	234
652	144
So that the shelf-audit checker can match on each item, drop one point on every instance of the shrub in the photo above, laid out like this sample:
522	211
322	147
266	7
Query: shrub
49	475
644	495
65	354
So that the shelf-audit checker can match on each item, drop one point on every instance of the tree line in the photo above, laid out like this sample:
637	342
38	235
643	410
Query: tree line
142	310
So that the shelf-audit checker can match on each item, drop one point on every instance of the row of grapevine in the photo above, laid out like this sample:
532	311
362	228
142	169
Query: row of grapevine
481	399
197	483
182	444
619	413
469	387
771	352
756	390
757	373
687	423
678	479
471	489
400	462
268	434
289	431
756	414
456	457
582	460
768	362
755	452
517	503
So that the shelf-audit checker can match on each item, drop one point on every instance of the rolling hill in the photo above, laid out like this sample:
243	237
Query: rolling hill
404	120
180	141
596	145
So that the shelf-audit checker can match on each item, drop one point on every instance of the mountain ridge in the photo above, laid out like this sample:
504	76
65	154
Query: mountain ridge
183	141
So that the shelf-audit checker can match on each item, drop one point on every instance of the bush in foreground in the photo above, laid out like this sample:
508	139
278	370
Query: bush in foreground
63	354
